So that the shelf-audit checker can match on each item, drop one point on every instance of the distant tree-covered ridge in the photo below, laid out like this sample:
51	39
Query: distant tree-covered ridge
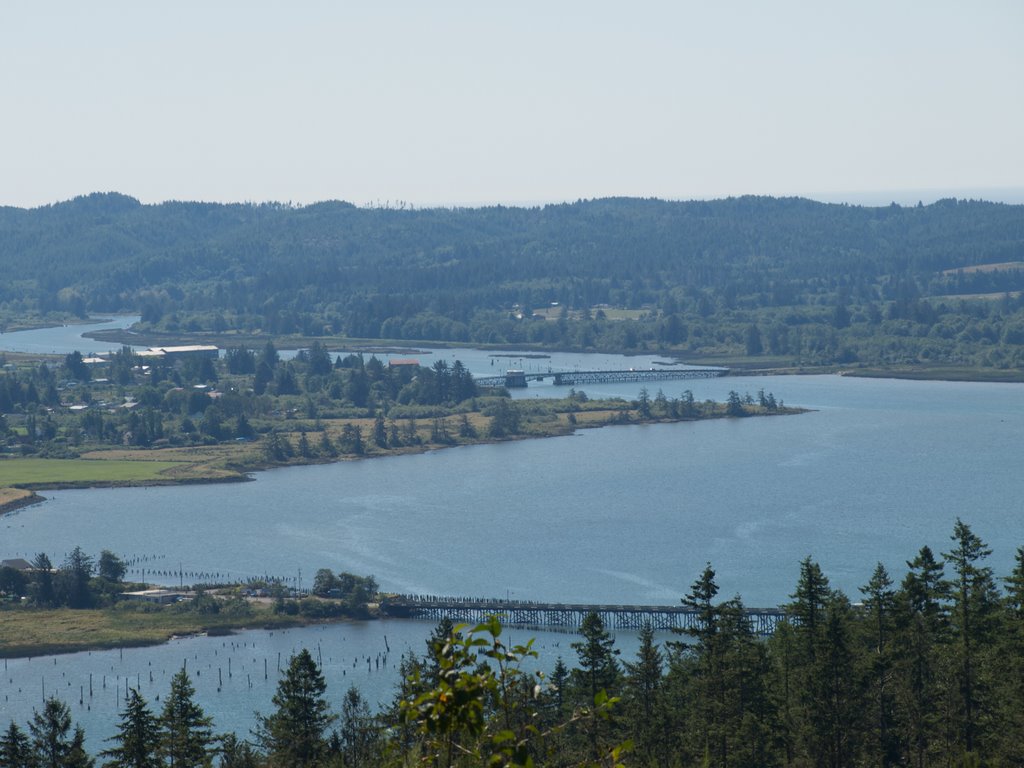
790	279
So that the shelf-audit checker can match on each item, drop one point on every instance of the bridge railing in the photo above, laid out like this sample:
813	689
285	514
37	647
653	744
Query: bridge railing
762	621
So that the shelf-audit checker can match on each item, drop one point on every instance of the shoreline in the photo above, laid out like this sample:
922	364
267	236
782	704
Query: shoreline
28	499
244	473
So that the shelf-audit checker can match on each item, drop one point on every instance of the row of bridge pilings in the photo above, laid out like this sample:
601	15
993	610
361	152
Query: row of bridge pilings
566	616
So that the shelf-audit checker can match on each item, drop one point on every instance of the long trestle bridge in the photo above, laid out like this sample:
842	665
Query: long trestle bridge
515	379
563	615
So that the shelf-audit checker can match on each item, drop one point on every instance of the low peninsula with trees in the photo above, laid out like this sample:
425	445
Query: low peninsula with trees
132	419
87	603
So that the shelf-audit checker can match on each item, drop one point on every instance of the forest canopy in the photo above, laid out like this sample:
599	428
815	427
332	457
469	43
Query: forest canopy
749	276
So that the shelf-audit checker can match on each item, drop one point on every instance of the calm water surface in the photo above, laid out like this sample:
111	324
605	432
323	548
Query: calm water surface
619	515
624	514
62	340
227	672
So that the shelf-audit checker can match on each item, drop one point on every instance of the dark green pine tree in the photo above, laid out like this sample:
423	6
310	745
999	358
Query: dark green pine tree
921	630
819	654
237	753
834	703
559	683
75	572
974	598
295	734
505	419
599	671
642	699
728	711
878	629
436	644
327	448
597	676
43	591
358	733
304	450
1010	691
781	680
1015	589
747	674
380	431
15	748
186	738
137	739
700	600
54	743
706	695
808	606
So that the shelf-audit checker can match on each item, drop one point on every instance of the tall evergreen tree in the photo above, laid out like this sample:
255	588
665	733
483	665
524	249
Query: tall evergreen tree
598	675
974	598
822	670
700	599
783	685
728	710
54	743
1010	684
439	638
357	733
43	580
1015	586
186	738
599	669
295	733
922	627
137	739
833	691
880	606
15	748
748	707
642	698
559	683
75	572
707	695
808	604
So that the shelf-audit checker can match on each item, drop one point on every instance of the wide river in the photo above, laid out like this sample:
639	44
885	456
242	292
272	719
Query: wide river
618	515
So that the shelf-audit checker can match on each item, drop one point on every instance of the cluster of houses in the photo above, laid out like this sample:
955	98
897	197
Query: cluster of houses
170	355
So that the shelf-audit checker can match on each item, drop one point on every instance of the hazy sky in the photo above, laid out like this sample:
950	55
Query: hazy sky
478	102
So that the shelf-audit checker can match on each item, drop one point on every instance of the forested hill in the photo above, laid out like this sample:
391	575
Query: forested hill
760	276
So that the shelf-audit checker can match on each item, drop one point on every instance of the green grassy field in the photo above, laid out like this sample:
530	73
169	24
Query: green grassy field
32	473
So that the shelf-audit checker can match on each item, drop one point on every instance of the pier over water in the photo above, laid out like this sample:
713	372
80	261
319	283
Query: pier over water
522	613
